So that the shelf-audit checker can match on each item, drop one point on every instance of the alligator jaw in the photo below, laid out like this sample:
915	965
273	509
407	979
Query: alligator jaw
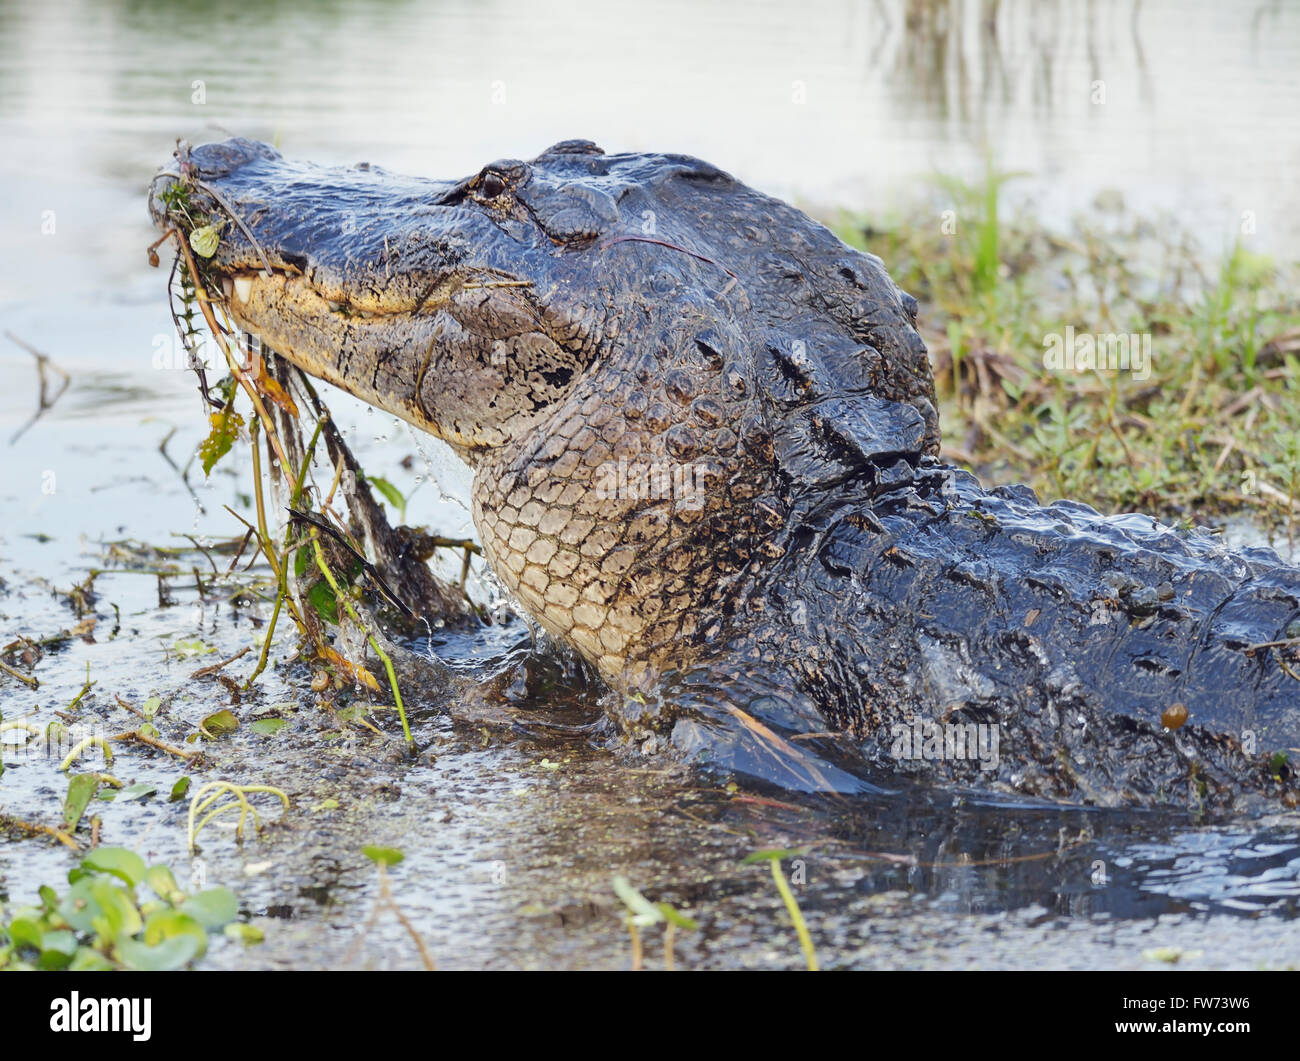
382	358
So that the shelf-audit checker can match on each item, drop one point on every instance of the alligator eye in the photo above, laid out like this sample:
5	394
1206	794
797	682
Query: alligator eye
492	186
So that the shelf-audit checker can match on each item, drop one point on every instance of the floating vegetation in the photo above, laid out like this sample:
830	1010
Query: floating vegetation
102	922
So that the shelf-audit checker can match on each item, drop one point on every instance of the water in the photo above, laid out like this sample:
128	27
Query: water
512	821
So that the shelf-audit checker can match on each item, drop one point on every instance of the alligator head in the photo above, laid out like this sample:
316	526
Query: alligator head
649	366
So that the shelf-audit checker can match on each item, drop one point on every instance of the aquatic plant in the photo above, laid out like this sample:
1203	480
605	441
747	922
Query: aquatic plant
103	922
773	859
641	913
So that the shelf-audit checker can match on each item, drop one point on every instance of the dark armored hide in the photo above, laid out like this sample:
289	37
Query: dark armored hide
582	322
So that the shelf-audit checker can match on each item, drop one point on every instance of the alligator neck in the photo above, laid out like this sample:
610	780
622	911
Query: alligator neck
624	543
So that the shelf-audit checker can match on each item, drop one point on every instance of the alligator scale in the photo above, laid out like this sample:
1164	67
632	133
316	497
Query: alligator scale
704	446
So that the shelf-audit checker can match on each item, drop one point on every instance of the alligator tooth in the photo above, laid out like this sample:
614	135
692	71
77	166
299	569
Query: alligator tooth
226	286
243	287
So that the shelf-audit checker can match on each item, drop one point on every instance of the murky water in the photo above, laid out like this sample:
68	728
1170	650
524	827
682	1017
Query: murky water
513	825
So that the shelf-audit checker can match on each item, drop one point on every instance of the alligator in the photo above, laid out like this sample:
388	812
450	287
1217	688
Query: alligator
706	456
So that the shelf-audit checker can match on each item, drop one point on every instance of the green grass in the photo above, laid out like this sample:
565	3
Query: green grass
1215	428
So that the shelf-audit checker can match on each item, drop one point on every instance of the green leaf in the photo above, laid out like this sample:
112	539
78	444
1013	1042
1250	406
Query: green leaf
25	932
137	791
117	915
87	959
268	727
205	240
58	949
385	856
120	862
81	789
321	598
220	723
212	908
391	494
179	790
174	952
644	912
244	933
169	924
771	854
150	706
671	913
223	429
192	647
163	884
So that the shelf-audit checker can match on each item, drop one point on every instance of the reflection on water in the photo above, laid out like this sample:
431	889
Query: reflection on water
1223	869
1186	106
964	851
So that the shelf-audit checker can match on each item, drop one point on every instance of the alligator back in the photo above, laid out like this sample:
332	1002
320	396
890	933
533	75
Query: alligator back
1117	660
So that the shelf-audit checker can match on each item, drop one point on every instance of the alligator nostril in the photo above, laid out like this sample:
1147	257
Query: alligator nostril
573	147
